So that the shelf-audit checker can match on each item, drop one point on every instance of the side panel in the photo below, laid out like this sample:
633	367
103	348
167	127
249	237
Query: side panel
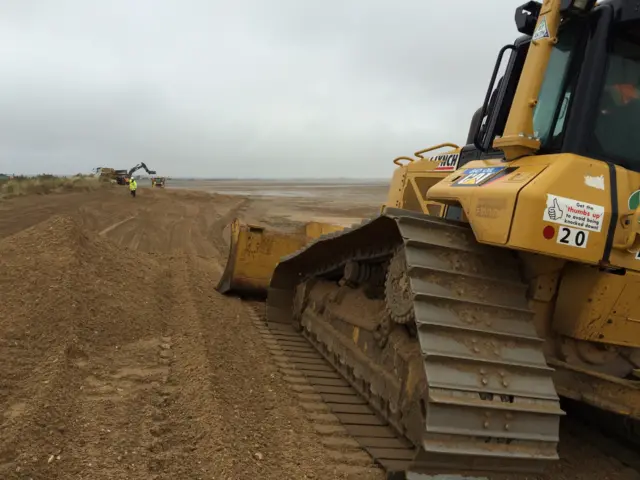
410	183
487	191
565	212
396	187
598	306
571	208
551	204
625	248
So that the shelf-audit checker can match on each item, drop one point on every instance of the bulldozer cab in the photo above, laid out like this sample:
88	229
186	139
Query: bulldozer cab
587	93
569	95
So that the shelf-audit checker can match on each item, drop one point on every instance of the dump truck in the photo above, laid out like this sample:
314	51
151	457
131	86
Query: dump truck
503	274
107	174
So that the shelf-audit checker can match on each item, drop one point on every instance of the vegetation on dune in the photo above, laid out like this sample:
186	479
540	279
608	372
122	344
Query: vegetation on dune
14	186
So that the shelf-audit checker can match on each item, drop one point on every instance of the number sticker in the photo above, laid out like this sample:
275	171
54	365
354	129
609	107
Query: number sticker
573	237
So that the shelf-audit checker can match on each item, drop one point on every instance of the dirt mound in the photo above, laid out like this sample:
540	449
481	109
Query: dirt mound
67	298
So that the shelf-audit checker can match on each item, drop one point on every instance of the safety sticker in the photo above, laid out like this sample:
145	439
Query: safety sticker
447	162
474	177
567	211
573	237
542	30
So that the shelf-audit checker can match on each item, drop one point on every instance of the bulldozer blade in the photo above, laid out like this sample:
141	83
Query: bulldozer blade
254	252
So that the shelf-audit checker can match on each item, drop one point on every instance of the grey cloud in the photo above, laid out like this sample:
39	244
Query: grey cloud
277	88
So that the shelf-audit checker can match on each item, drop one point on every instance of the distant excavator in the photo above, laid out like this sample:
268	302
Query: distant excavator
121	177
138	167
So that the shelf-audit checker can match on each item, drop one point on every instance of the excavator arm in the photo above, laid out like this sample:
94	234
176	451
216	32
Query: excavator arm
138	167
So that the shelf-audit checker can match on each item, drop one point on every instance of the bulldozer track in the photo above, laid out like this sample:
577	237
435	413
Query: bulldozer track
492	404
116	225
346	423
342	406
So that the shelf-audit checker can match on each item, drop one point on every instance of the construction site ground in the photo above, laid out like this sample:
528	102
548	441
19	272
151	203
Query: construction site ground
119	359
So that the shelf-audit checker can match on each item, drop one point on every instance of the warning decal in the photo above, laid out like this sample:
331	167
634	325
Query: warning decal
566	211
542	30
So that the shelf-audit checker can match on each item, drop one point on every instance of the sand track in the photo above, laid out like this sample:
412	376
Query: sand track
119	360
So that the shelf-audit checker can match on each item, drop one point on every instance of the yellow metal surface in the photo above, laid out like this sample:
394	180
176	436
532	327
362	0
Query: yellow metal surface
512	210
556	211
410	182
519	138
255	251
515	207
601	391
599	307
626	245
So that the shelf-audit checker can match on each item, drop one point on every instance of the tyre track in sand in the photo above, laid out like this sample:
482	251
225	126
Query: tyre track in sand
98	209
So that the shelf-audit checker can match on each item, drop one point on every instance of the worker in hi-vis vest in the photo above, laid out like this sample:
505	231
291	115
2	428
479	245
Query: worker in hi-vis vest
133	186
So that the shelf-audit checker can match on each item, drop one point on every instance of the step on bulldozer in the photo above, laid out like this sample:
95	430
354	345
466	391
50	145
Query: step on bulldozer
504	274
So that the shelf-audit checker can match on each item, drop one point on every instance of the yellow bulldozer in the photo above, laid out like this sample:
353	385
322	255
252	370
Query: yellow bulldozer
501	275
158	181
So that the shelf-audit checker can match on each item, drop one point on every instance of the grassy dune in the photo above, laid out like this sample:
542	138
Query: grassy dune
47	184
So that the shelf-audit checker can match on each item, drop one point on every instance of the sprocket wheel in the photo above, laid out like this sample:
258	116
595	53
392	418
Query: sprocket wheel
398	295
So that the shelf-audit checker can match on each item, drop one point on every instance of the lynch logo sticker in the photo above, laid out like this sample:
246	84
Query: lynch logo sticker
447	162
542	30
567	211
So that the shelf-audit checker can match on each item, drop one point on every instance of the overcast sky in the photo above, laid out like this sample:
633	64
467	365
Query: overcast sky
242	88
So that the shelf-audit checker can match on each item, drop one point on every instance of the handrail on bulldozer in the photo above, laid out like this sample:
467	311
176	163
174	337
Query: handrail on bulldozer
419	153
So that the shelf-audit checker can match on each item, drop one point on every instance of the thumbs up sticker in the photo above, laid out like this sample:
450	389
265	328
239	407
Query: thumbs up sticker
554	211
574	213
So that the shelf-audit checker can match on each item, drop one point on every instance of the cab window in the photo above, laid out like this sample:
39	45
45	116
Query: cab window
555	93
618	115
